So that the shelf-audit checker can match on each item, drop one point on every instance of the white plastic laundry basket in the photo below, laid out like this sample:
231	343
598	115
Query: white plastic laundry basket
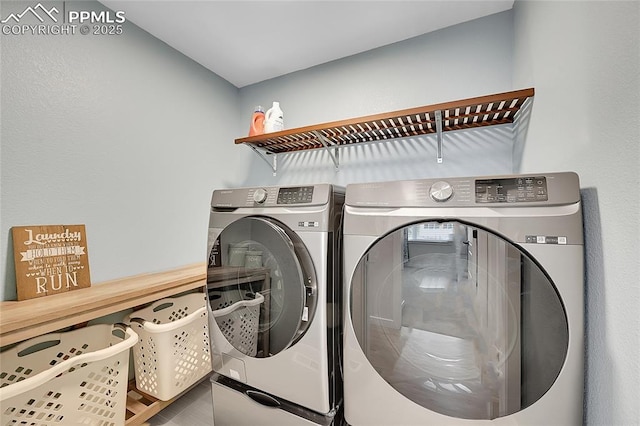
173	352
75	377
238	318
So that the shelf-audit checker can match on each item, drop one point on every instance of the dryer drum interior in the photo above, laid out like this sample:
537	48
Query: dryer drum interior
268	269
458	319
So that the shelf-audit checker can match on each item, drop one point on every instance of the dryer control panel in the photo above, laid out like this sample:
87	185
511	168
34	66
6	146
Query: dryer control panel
487	191
512	190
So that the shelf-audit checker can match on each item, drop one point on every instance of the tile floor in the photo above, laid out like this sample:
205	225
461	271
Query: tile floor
194	408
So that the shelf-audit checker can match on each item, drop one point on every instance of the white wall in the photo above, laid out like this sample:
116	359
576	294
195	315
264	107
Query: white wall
583	58
120	133
467	60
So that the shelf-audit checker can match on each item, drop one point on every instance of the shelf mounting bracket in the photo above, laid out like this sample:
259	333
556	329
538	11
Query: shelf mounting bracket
439	134
335	156
273	164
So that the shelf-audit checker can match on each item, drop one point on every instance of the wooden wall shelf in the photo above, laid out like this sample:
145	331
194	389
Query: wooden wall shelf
500	108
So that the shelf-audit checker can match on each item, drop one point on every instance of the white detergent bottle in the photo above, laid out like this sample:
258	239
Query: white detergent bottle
274	119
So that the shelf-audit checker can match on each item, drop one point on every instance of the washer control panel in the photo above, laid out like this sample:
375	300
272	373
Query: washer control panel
512	190
273	196
295	195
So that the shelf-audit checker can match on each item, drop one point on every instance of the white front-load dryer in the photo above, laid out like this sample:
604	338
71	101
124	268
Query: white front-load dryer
464	301
274	291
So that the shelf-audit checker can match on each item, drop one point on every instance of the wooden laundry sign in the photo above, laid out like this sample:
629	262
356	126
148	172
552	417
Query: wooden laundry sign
50	259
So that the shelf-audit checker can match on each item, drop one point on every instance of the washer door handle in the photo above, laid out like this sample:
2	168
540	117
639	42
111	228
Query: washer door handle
262	398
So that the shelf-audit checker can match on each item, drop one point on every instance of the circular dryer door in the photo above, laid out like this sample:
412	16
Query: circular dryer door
261	286
458	320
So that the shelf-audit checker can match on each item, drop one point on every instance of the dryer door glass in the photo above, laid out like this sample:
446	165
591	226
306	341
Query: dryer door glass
261	285
458	320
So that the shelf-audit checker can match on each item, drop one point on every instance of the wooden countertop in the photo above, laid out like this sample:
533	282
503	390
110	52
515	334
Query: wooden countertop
21	320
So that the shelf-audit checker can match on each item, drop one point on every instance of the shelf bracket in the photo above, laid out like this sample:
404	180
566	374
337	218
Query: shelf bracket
439	134
274	160
335	156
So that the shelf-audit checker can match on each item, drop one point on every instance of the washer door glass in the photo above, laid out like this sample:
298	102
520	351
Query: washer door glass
261	286
458	320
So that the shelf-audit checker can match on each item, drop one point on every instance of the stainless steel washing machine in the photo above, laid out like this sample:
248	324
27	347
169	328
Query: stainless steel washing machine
275	310
464	301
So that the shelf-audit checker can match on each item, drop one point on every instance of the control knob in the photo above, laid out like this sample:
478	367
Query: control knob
441	191
260	195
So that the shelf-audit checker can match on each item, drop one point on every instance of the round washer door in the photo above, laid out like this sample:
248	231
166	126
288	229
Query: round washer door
261	286
458	320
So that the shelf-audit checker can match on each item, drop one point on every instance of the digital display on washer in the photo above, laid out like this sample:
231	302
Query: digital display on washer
511	190
295	195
